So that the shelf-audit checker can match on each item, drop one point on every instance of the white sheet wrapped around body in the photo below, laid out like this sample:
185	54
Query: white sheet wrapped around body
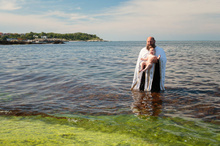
149	73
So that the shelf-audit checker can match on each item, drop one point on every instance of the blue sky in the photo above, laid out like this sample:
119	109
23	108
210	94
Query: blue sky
115	20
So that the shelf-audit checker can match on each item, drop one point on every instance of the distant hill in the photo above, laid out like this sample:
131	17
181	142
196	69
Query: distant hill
68	36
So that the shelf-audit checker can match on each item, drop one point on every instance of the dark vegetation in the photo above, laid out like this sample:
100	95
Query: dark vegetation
68	36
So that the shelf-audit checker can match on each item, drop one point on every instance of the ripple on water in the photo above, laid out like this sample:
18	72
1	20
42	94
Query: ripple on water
95	79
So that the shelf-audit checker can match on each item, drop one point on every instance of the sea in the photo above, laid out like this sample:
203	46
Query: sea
86	85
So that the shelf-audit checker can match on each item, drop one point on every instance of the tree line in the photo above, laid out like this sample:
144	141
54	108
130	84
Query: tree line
68	36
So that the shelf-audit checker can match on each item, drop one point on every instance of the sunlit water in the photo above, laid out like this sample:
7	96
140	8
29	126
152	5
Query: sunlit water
94	78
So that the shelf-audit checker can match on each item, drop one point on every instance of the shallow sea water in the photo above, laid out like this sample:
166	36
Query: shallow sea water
91	81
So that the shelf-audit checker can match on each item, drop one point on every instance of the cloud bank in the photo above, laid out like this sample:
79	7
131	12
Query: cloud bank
9	5
131	20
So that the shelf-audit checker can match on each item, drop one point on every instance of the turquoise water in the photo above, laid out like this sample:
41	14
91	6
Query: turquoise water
91	80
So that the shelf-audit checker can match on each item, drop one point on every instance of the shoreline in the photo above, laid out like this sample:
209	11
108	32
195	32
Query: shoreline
30	42
117	129
44	42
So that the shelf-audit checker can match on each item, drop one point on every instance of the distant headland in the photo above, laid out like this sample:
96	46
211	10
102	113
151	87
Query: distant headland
46	38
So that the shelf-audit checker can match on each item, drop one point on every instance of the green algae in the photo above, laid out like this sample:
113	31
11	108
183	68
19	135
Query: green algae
5	97
176	131
50	131
105	130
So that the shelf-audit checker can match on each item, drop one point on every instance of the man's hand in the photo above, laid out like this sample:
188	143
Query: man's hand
155	60
158	57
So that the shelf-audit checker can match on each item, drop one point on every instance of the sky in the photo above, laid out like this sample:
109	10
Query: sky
115	20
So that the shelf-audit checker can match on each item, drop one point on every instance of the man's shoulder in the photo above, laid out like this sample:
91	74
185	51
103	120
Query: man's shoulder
144	49
159	48
161	52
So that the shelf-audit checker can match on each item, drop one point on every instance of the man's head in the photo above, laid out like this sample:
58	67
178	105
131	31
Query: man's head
151	41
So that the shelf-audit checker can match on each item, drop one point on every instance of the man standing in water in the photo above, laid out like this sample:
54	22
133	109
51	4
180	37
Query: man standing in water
153	79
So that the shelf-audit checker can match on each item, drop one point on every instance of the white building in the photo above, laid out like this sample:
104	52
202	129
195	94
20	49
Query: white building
44	37
11	39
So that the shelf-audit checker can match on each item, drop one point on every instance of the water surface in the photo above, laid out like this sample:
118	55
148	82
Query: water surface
94	79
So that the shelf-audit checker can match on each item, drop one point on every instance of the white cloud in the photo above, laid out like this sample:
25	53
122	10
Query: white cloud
78	8
132	20
166	18
27	23
67	16
9	5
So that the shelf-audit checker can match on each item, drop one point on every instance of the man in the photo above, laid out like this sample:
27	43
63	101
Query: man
153	79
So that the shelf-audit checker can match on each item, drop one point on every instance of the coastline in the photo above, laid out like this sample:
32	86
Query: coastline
57	41
46	38
31	42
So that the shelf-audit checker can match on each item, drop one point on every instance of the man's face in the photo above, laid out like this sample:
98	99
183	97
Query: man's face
150	41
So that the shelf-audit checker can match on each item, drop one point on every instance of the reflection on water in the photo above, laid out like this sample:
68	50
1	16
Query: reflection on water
146	103
177	102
